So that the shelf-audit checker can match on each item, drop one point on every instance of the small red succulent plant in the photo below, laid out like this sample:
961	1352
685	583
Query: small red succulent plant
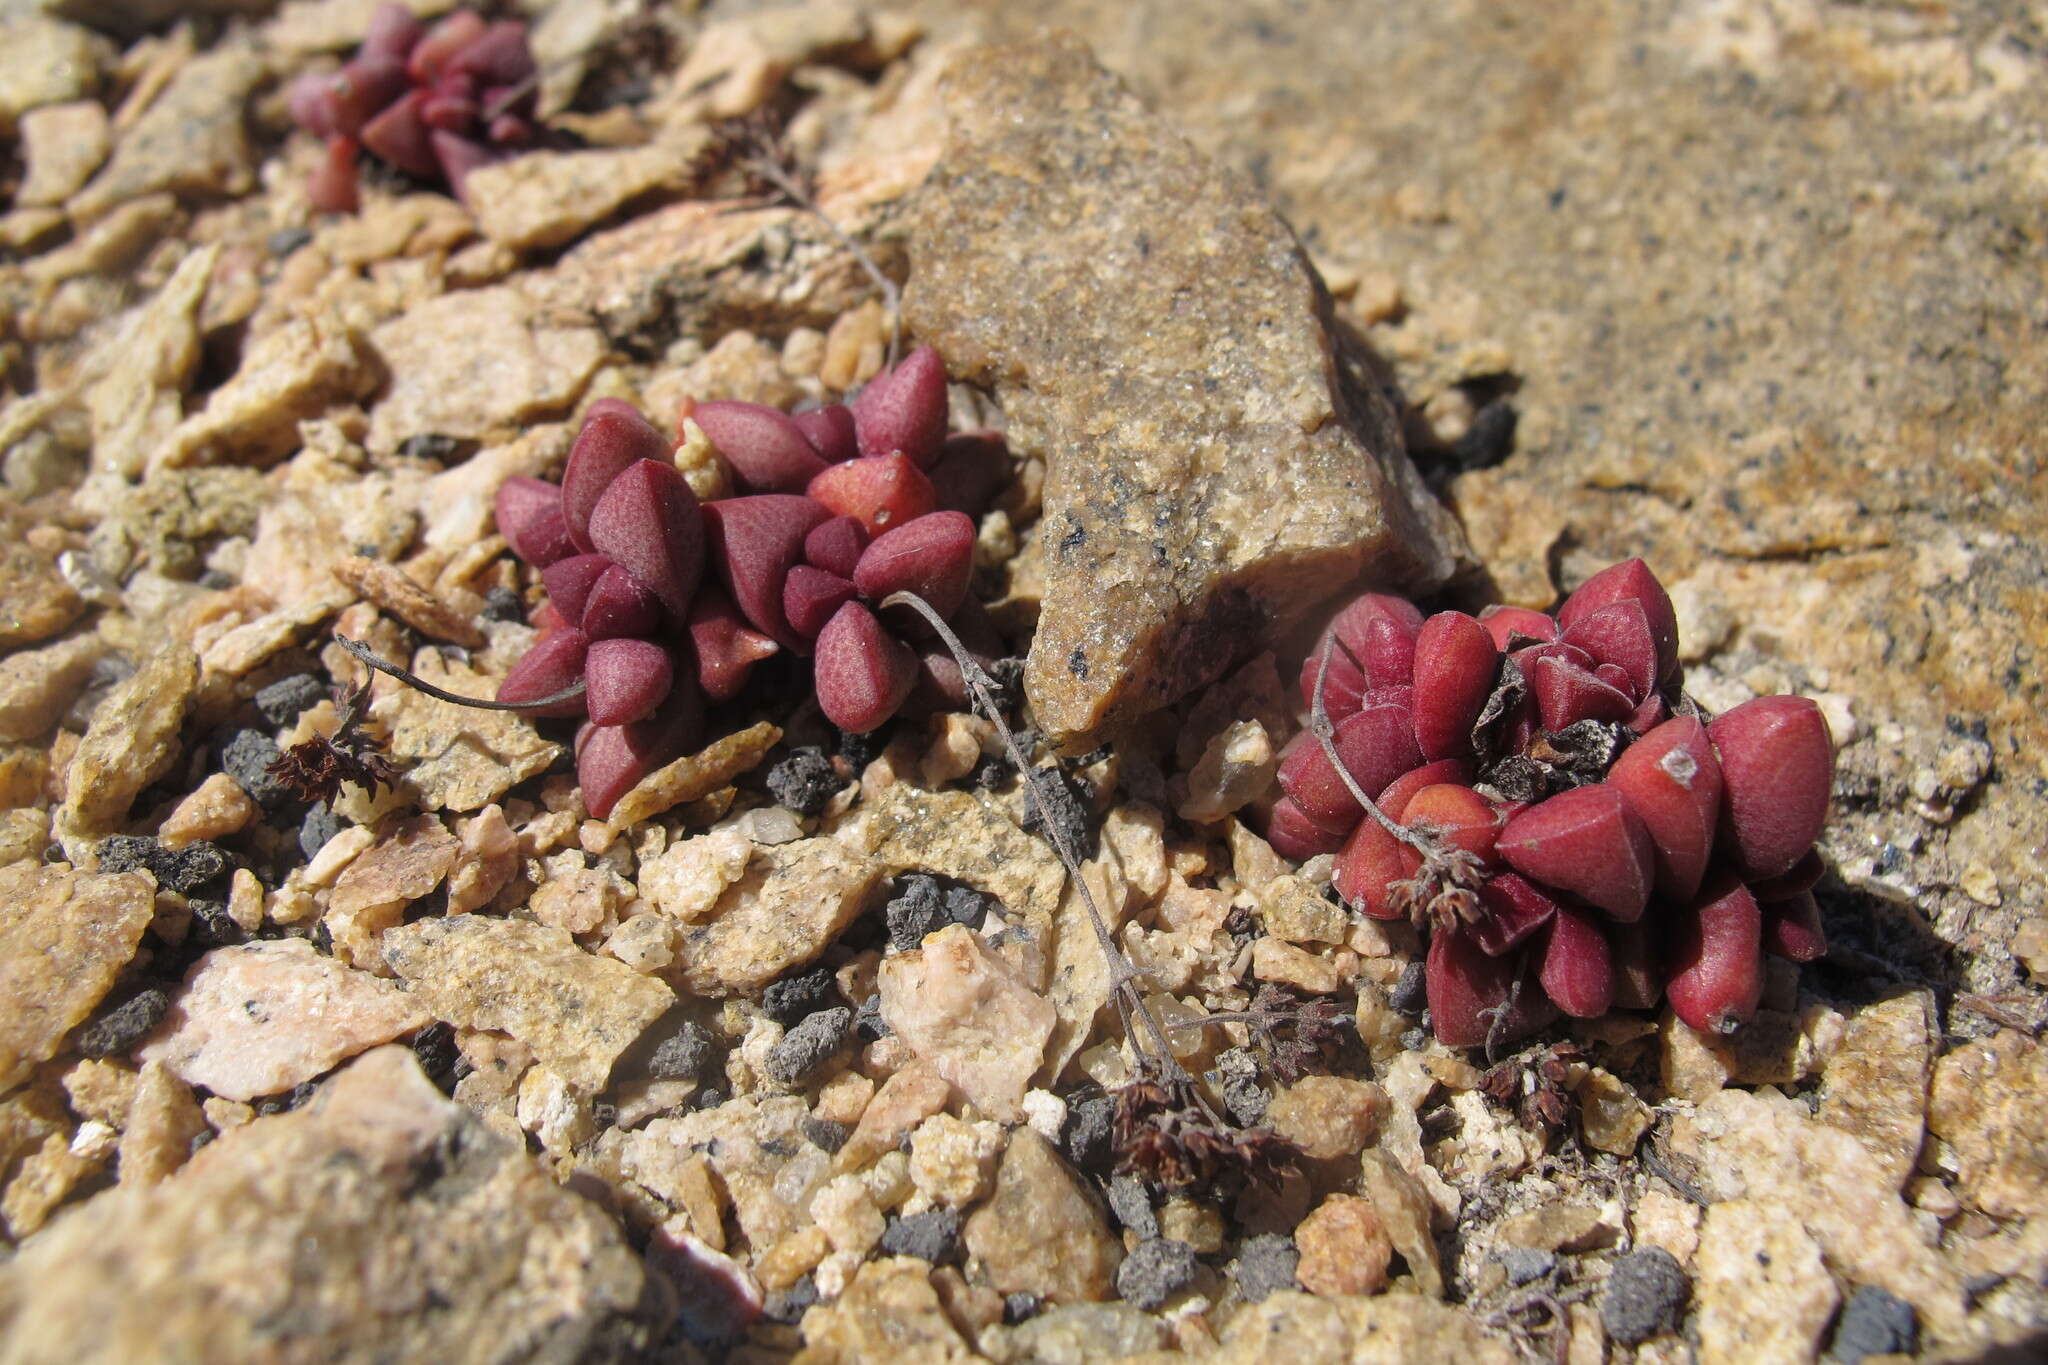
435	102
657	602
1578	836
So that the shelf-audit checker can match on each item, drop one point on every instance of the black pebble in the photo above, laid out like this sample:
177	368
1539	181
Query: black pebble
708	1099
1265	1265
212	926
1489	439
1021	1306
1643	1295
435	1048
285	241
1155	1272
804	780
320	825
183	870
118	1029
965	905
827	1134
808	1046
1085	1138
289	1100
1875	1323
681	1056
793	997
933	1235
917	908
247	759
859	750
1068	796
282	701
503	604
868	1021
429	446
1242	1094
787	1306
1524	1264
1132	1206
1411	993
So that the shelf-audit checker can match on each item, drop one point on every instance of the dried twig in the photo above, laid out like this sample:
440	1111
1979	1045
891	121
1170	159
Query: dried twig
363	654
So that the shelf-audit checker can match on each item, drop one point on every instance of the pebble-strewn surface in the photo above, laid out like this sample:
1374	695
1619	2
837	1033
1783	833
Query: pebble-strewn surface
809	1050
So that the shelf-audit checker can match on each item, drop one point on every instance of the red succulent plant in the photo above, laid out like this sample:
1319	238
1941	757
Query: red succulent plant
838	515
434	102
1550	803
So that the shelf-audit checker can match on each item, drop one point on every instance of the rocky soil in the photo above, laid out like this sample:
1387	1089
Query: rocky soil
808	1051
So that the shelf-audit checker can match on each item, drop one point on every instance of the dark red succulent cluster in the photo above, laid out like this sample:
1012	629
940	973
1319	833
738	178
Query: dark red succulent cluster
840	508
436	103
1577	834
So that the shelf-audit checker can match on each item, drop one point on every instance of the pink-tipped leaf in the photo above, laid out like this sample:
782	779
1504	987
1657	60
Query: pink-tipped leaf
1588	842
904	409
648	520
1777	771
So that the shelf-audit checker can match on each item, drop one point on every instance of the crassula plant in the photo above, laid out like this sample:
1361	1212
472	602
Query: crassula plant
434	102
657	602
1540	793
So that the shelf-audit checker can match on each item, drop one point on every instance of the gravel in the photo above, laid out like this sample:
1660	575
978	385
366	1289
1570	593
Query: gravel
1085	1138
918	907
1644	1292
1265	1265
119	1029
804	780
681	1056
1874	1323
247	758
183	870
808	1046
283	700
320	825
1132	1206
1524	1264
794	997
1155	1272
933	1235
1243	1096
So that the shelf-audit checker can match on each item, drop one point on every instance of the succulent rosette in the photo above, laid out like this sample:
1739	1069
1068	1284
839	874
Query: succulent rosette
434	102
657	603
1577	834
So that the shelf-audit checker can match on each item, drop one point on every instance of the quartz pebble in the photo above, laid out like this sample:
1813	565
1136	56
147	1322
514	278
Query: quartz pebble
964	1010
953	1162
90	924
1328	1116
1041	1230
1344	1248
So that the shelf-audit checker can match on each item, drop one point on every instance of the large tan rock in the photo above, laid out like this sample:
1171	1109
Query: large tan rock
64	938
1218	460
1041	1230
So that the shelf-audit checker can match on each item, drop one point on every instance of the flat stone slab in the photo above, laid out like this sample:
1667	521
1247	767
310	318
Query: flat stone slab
1218	459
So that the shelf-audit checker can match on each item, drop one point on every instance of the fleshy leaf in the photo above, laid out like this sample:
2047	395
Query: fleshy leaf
432	53
332	188
836	545
754	541
1629	581
1586	841
1293	835
1454	669
614	437
932	557
399	135
529	513
1777	771
811	597
904	409
1637	985
971	469
1467	990
1515	908
570	580
620	605
1671	778
830	431
1377	745
1716	968
1567	694
1460	816
1369	863
1804	876
648	520
626	680
1576	968
1792	928
1504	623
862	672
881	491
551	665
767	450
1619	635
727	648
939	684
1393	799
611	759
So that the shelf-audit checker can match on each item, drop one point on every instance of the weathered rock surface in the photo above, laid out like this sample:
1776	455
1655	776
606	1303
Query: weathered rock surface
379	1222
133	740
190	140
1763	1292
577	1011
782	912
963	1009
1218	460
1990	1103
259	1018
64	937
1041	1230
889	1312
1386	1329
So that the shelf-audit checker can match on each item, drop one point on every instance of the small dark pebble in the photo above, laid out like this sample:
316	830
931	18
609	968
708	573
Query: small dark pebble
282	701
217	580
1085	1138
320	825
1416	1040
1524	1264
915	910
1411	993
1068	797
430	446
291	1099
120	1028
435	1048
933	1235
1006	675
708	1099
183	870
1021	1306
787	1306
503	604
1875	1322
681	1056
285	241
858	750
1132	1206
804	781
1643	1295
1489	439
826	1134
247	758
1155	1272
1242	1094
212	926
990	773
965	905
604	1114
868	1021
808	1046
1266	1265
793	997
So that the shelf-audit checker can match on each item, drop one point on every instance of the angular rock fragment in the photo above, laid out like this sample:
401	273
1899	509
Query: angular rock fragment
64	937
1217	461
1042	1230
963	1009
781	913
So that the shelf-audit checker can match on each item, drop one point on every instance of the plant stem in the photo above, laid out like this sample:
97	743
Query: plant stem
413	680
